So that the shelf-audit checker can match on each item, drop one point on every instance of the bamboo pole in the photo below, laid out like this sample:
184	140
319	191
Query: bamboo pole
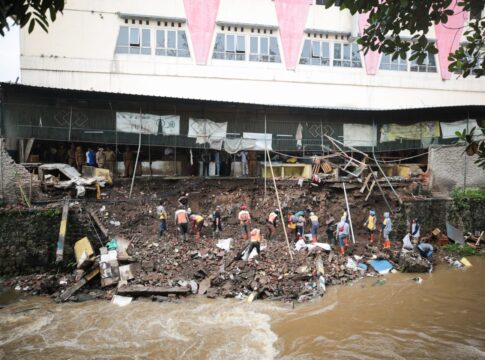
348	212
279	206
265	150
136	161
385	177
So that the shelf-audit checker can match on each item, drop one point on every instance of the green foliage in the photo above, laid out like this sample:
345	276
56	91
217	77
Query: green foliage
474	147
463	197
31	12
388	19
460	250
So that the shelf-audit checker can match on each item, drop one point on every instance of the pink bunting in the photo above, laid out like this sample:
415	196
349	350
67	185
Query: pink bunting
371	59
292	16
201	21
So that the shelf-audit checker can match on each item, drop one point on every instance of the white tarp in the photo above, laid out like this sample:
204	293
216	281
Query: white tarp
360	135
448	129
205	130
130	123
263	140
233	146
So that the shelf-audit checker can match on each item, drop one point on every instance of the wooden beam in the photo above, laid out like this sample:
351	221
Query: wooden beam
140	290
62	232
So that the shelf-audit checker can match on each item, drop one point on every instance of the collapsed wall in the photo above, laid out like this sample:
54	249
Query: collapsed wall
451	167
11	174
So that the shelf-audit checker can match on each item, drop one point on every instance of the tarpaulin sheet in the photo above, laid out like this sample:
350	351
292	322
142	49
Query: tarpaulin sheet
233	146
262	141
448	129
204	129
424	130
360	135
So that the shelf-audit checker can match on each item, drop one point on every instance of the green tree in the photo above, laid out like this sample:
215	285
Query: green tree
388	19
28	12
474	147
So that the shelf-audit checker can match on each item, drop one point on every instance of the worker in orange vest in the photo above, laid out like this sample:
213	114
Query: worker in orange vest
182	220
245	221
255	241
271	223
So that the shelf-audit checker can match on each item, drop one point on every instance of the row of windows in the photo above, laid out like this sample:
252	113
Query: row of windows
132	40
168	42
428	65
233	47
325	53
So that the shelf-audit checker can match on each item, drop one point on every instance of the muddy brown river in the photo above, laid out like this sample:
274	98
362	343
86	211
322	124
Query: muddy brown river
441	318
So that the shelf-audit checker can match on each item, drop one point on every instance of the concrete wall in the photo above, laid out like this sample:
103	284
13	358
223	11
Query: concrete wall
451	167
79	53
10	175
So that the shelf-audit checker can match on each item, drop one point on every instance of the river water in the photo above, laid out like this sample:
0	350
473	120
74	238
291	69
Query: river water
441	318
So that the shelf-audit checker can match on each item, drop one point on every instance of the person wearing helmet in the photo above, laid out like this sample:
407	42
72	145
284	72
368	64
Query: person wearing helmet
182	220
245	221
183	199
300	223
386	230
216	222
343	232
271	223
162	215
291	221
371	225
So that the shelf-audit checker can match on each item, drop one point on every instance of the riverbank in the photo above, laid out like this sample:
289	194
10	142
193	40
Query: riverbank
440	318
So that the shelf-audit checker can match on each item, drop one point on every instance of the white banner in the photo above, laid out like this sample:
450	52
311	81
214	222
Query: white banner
147	123
206	130
360	135
262	142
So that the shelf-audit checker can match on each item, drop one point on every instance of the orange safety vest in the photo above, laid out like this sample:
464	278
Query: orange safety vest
181	216
256	235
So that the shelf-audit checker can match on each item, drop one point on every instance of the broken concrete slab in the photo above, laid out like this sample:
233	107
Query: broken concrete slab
140	290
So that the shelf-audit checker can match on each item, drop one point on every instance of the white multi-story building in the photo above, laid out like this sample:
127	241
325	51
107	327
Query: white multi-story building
282	52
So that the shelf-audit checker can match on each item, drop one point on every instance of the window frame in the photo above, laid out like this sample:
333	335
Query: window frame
342	60
258	56
172	39
397	62
234	54
135	44
311	59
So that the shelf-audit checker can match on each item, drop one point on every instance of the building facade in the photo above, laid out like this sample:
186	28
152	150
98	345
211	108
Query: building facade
290	69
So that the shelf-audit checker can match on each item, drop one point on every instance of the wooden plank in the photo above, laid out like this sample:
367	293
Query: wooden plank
366	181
62	232
70	291
370	189
99	224
140	290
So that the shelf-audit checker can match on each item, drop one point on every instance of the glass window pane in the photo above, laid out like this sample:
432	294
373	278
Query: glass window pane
253	57
337	51
218	55
431	60
171	40
241	45
145	38
305	53
325	50
230	45
183	53
273	46
264	50
355	53
182	43
123	36
254	45
171	52
121	50
219	45
134	50
162	52
346	51
160	39
316	49
146	51
134	37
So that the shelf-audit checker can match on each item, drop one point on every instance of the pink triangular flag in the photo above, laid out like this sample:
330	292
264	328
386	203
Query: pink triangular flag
201	21
371	59
448	37
292	16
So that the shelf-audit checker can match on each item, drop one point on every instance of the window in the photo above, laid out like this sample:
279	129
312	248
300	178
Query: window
397	65
264	49
133	40
346	55
315	53
172	43
230	47
428	65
